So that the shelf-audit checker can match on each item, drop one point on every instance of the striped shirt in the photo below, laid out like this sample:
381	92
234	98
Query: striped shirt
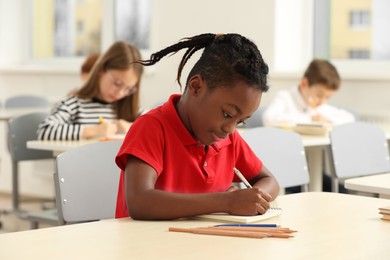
67	120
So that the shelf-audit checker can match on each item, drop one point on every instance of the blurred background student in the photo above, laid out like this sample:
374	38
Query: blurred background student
106	104
307	102
85	69
87	65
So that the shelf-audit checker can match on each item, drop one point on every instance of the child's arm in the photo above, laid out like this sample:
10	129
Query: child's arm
123	126
146	202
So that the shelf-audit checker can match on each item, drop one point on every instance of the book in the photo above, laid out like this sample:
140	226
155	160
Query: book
312	129
384	210
386	217
224	217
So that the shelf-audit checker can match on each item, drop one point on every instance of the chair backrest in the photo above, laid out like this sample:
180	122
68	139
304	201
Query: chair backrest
358	149
86	182
282	152
22	129
21	101
256	120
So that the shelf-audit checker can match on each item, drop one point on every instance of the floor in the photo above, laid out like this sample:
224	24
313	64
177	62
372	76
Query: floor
10	222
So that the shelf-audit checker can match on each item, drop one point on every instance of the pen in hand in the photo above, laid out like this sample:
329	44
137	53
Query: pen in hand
242	178
101	120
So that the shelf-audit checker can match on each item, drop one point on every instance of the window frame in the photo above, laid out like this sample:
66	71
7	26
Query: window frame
302	13
20	12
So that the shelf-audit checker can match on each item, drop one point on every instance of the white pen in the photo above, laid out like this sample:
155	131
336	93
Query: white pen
242	178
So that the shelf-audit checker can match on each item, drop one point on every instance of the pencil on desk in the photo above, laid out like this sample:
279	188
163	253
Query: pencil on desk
272	229
206	231
237	232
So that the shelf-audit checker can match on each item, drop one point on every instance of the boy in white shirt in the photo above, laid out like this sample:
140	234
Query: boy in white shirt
307	102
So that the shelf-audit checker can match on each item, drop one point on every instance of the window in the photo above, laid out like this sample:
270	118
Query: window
359	54
132	28
69	28
355	29
359	19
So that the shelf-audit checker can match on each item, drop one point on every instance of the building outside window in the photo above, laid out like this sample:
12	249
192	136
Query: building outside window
71	28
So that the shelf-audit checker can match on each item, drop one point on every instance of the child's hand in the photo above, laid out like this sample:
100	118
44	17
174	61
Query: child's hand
249	202
319	118
123	126
100	130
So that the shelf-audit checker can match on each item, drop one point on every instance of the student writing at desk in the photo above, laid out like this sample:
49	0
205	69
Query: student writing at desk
177	160
110	92
307	102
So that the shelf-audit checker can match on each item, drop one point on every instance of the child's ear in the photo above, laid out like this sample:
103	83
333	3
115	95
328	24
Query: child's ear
196	84
304	84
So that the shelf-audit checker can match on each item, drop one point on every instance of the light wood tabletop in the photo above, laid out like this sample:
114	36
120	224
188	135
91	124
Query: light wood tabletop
379	184
8	113
315	146
329	225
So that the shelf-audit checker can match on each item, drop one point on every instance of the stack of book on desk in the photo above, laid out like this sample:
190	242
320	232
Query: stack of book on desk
385	213
312	128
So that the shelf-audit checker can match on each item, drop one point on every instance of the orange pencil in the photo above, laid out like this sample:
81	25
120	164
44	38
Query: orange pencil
206	231
256	229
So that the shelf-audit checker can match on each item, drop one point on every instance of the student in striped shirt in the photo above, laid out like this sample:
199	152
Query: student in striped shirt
106	104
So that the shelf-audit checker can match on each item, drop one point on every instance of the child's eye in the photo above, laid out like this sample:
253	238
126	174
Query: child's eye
226	115
241	123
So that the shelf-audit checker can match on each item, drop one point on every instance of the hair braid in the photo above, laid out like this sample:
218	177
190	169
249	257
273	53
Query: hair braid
226	59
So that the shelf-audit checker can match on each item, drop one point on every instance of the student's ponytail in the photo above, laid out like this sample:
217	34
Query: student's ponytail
226	59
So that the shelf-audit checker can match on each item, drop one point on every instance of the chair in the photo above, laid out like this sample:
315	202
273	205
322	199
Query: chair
86	182
20	130
23	101
256	119
282	152
357	149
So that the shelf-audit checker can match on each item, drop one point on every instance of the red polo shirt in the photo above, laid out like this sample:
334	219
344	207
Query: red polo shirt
161	140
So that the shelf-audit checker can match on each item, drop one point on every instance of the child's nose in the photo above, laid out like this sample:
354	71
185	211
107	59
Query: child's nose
229	128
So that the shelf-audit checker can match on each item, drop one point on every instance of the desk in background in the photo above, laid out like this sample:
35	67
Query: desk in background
8	113
329	225
57	146
379	184
314	148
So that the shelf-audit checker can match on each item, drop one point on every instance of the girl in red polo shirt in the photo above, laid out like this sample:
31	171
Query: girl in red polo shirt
177	160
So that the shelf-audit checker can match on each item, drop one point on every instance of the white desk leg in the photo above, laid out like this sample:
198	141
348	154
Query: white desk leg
314	157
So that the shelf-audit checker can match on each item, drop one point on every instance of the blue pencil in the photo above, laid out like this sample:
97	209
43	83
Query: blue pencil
246	225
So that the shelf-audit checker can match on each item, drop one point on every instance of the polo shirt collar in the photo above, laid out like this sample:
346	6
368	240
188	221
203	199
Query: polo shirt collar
170	112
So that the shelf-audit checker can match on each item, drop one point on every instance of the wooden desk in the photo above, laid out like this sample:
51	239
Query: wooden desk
314	146
57	146
8	113
329	225
379	184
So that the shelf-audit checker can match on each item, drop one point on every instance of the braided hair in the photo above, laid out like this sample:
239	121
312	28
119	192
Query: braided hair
226	59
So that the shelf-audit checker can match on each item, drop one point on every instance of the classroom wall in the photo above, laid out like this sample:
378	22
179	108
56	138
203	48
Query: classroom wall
171	20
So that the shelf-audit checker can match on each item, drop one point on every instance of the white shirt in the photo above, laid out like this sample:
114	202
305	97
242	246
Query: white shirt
289	108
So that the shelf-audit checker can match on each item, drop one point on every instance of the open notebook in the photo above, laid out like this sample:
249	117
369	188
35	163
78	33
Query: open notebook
224	217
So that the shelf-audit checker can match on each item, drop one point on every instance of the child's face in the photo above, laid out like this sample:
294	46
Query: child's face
316	94
116	84
214	115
